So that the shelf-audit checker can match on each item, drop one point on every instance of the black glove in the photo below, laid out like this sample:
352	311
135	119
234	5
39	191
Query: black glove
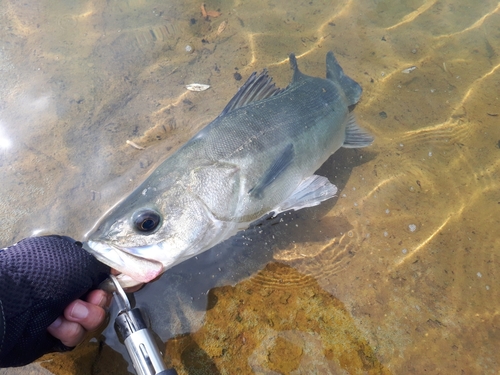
39	277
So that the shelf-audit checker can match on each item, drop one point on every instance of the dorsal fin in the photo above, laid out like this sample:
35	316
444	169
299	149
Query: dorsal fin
297	74
257	87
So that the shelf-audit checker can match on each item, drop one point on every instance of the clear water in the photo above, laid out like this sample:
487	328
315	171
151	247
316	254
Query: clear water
399	274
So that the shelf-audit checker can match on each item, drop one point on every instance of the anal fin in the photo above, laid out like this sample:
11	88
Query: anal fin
311	192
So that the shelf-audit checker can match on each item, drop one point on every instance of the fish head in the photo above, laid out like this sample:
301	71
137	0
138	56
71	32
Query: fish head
148	233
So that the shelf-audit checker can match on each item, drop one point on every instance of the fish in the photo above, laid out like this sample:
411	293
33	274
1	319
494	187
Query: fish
257	158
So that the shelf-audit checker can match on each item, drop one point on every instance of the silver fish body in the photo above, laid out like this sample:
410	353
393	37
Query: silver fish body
258	156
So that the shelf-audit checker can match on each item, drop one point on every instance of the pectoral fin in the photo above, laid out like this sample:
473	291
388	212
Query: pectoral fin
311	192
280	164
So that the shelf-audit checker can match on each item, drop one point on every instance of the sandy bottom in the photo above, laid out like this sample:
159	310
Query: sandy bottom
398	274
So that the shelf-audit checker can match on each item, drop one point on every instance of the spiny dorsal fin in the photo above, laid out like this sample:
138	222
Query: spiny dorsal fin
257	87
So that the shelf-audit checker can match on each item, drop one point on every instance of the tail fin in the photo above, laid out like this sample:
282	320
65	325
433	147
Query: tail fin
335	73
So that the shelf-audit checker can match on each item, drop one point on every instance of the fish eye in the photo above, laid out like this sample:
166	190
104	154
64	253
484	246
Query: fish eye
146	221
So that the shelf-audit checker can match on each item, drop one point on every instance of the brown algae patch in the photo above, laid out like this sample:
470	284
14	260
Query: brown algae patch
275	327
88	358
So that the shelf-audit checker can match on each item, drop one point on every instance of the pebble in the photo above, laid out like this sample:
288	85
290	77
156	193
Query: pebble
409	70
197	87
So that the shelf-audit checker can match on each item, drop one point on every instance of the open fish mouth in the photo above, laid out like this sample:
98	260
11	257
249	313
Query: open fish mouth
134	269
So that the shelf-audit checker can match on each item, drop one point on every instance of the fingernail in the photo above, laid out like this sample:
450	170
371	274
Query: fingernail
79	311
102	301
105	301
56	323
109	298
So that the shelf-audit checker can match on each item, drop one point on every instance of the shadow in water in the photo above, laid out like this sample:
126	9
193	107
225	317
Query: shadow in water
173	300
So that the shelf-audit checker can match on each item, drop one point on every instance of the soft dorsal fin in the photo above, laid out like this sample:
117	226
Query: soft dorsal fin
297	74
257	87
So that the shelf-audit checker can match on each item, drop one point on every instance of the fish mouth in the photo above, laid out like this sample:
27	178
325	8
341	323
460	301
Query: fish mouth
138	269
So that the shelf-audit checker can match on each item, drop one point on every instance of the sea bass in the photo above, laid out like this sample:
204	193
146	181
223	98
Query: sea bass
257	157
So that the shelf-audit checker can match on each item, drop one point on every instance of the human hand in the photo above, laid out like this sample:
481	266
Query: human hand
81	317
41	280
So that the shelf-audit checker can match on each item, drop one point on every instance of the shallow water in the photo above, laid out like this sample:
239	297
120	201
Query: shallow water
398	274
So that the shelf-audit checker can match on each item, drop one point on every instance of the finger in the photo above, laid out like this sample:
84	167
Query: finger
80	317
70	333
90	316
100	298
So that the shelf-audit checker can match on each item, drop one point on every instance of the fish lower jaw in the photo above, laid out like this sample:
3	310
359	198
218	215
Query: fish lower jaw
128	282
133	269
125	281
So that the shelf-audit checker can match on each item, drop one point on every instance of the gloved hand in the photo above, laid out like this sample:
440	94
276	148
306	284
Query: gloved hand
39	277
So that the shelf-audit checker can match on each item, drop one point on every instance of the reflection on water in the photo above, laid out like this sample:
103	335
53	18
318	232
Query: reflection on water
405	259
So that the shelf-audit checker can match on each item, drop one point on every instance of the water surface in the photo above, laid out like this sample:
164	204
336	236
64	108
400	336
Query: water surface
398	274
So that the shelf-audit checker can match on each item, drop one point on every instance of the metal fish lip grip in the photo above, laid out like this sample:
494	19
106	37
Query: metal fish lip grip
138	338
